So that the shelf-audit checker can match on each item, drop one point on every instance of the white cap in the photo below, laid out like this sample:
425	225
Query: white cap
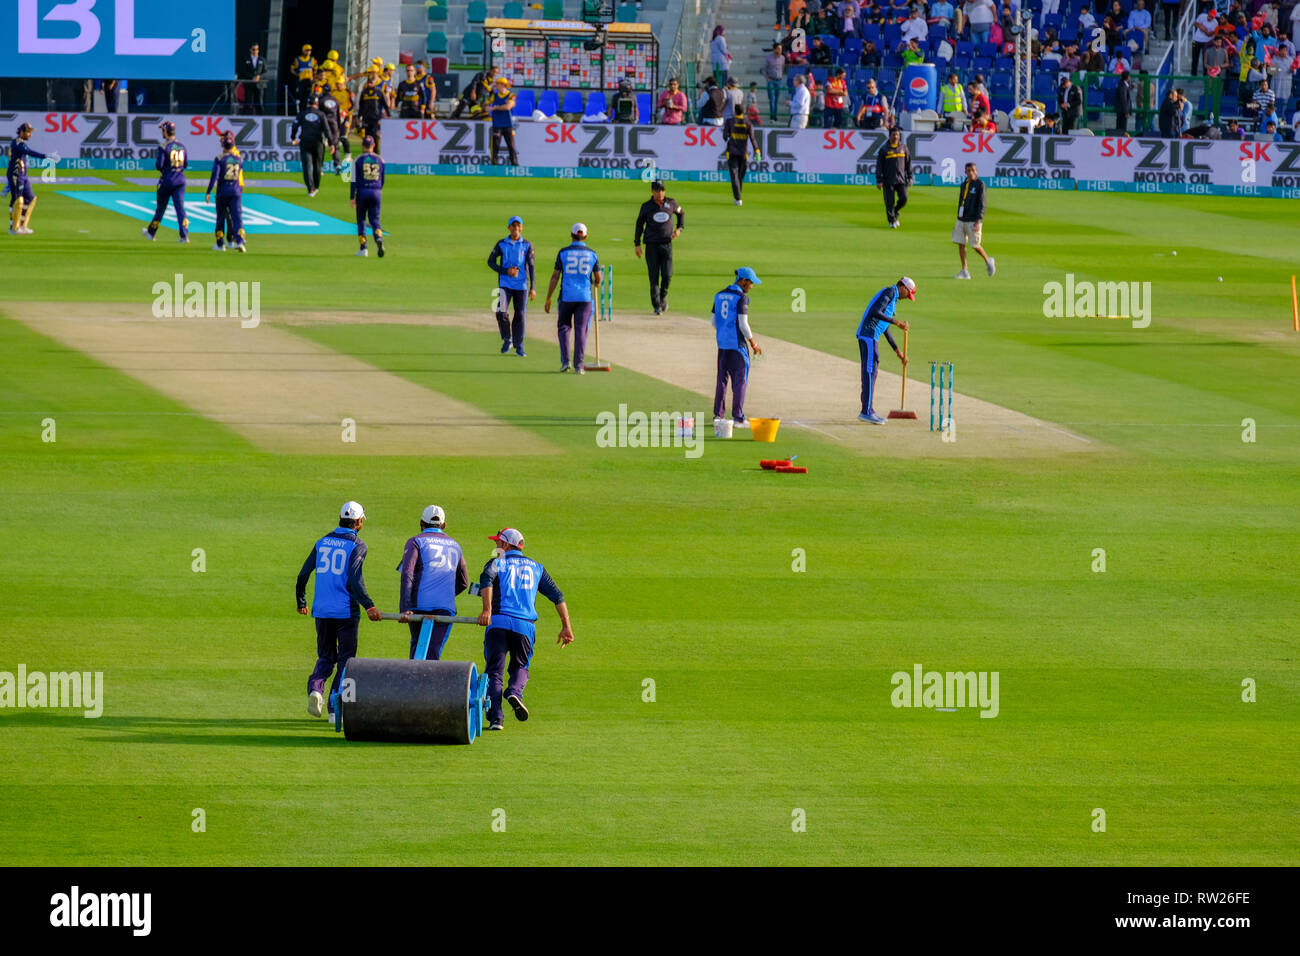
508	536
433	515
578	227
907	283
352	510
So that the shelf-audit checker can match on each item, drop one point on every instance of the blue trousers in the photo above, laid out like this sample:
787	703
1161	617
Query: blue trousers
870	356
437	640
176	196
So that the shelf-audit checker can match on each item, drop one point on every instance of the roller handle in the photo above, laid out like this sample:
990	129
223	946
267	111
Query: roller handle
436	618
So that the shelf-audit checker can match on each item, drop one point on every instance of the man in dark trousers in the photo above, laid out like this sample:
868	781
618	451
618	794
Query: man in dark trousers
876	320
308	134
513	261
476	94
331	112
735	342
367	191
970	221
894	175
372	107
340	592
738	133
171	162
1071	104
655	225
1123	103
251	73
433	572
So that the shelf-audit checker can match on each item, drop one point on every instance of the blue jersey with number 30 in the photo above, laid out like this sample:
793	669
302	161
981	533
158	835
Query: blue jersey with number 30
334	560
576	265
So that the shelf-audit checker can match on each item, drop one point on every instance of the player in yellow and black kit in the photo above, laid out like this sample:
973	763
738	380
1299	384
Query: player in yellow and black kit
430	85
304	71
371	108
738	132
410	96
894	175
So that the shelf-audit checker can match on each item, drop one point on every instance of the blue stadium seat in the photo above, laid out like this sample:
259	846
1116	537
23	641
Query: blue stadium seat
847	58
871	31
1135	36
853	44
830	41
982	64
549	103
989	50
938	32
596	106
791	73
514	10
940	65
476	12
964	48
819	74
572	102
472	43
525	103
436	42
626	13
645	109
892	61
438	13
893	35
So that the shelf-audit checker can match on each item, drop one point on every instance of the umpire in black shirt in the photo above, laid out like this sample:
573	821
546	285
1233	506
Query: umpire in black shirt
309	136
894	175
655	224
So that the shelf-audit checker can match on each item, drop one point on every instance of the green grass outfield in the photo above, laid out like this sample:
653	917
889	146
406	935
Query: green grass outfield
1119	690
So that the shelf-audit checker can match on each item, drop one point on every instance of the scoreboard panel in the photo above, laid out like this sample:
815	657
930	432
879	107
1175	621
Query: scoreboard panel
553	55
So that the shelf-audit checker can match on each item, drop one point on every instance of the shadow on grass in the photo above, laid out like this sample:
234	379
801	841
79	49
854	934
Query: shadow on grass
275	732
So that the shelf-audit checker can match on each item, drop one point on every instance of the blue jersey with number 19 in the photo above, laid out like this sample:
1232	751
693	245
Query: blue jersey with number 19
516	581
576	265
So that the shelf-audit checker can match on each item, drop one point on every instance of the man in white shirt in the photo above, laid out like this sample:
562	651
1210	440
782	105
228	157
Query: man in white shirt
800	104
1086	22
1202	33
915	27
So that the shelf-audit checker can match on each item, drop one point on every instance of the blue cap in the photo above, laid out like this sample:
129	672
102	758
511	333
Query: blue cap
745	272
513	220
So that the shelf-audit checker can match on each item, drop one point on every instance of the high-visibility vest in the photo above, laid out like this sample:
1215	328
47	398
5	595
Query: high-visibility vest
953	100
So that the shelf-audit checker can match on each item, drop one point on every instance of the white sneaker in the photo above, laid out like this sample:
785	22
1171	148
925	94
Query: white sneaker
315	703
740	202
218	248
362	252
312	193
992	265
26	230
144	231
962	275
497	725
184	241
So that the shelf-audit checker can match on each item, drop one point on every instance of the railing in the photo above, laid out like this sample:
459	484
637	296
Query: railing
691	44
1182	46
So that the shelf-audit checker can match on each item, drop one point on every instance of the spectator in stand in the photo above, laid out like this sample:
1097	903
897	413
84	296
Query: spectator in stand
1295	28
735	98
1048	126
915	27
941	14
751	106
1203	31
820	55
1169	116
1170	8
952	100
1233	131
1119	62
1123	103
718	55
1262	102
800	21
774	74
1086	21
978	96
782	13
870	56
912	52
837	101
874	11
1139	18
1070	103
981	123
823	23
1215	57
1051	56
1284	66
711	104
818	103
1070	61
1184	112
848	19
797	7
980	14
1270	132
800	104
1114	35
1254	76
873	113
1050	8
673	104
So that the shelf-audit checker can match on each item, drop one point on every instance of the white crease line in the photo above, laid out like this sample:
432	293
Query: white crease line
817	430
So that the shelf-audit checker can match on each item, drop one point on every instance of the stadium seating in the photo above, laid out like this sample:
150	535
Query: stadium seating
436	42
830	41
553	10
438	65
525	103
626	13
893	35
572	105
597	109
438	13
514	10
477	12
549	103
645	108
472	43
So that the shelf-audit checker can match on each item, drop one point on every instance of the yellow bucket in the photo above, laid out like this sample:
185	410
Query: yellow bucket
764	429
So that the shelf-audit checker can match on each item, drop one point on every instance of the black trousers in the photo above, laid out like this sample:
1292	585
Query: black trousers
506	133
659	262
737	166
313	160
895	199
1121	122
